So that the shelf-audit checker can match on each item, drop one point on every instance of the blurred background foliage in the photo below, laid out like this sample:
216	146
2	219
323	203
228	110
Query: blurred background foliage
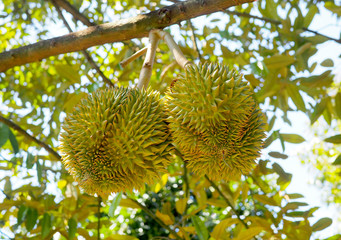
271	42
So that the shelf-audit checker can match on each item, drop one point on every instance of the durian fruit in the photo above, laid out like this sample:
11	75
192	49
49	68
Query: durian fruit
215	121
116	140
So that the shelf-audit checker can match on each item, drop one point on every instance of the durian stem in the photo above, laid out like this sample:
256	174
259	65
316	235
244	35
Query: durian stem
158	220
227	201
133	57
178	55
147	68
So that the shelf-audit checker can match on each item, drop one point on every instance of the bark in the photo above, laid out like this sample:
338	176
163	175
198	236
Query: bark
126	29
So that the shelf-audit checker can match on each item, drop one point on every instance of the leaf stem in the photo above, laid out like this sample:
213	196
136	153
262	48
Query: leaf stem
158	220
227	201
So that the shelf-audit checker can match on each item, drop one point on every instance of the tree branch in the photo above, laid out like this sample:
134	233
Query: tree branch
126	29
85	53
227	201
29	136
276	22
158	220
74	12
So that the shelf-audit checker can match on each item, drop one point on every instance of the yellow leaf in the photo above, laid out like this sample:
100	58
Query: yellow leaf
249	233
216	202
121	237
180	205
62	183
128	203
164	218
158	186
219	231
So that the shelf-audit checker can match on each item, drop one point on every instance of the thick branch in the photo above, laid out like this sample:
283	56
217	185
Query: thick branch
29	136
276	22
135	27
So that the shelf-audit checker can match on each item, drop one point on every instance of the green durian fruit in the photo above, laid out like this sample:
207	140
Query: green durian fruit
116	140
215	121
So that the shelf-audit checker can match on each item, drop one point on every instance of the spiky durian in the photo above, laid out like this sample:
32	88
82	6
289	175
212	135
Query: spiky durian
215	121
116	140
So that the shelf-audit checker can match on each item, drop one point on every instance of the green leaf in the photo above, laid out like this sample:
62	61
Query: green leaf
29	161
292	138
4	134
279	61
338	104
294	195
115	202
318	110
45	225
68	71
21	214
303	48
322	80
72	224
337	160
327	63
39	171
219	230
278	155
14	142
322	224
31	218
296	97
200	227
265	199
249	233
310	15
334	139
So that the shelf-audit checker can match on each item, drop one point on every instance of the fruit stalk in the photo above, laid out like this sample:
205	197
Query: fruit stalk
147	68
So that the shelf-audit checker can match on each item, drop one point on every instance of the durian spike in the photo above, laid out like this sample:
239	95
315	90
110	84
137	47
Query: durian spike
147	67
178	55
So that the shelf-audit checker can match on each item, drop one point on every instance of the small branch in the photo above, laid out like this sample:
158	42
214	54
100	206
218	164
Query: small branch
276	22
226	200
99	218
147	67
125	29
133	57
29	136
85	53
74	12
178	55
166	69
158	220
194	39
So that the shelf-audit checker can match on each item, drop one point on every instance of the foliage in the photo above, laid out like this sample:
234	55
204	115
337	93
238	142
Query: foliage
40	199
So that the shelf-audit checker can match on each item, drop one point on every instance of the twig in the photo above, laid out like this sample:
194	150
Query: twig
276	22
226	200
74	12
99	218
158	220
85	53
29	136
178	55
147	67
136	55
194	39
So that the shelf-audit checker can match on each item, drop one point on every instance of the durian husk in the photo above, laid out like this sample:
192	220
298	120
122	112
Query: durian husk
215	121
116	140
